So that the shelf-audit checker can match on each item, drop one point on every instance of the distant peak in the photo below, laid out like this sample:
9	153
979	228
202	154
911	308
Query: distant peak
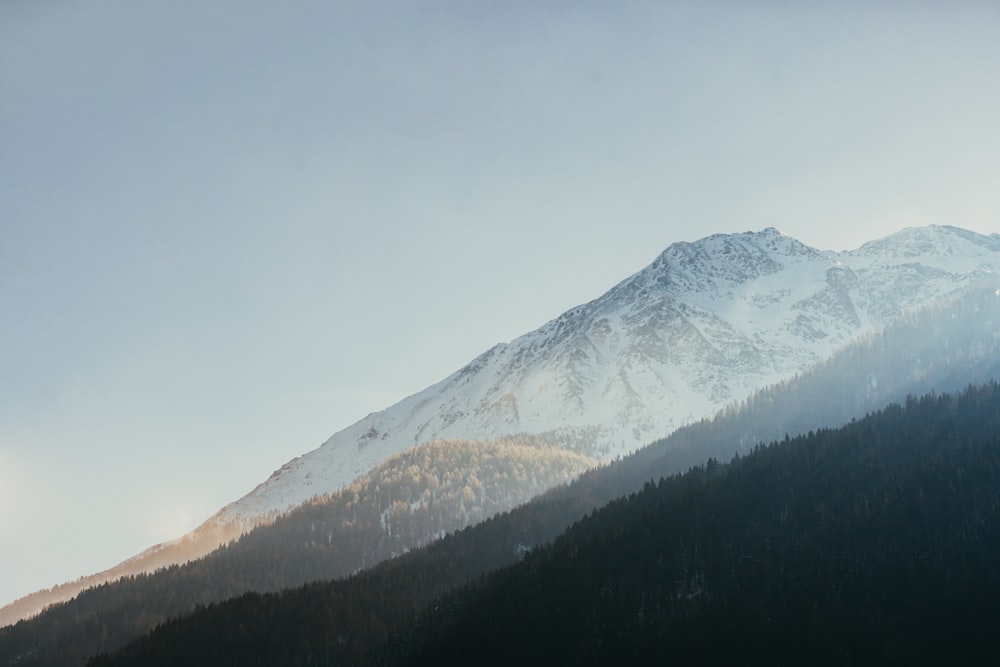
719	261
768	239
931	240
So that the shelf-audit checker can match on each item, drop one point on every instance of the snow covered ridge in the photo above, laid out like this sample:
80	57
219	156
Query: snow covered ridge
705	324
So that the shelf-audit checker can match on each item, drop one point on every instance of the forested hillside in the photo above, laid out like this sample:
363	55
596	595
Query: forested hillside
415	496
874	543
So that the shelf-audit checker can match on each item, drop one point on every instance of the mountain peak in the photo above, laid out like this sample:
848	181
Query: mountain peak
768	240
722	261
932	240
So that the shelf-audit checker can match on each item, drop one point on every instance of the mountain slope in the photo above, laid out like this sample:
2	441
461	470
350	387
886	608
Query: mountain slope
940	348
707	323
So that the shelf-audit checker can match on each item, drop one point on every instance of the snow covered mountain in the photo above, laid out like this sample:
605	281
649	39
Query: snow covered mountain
705	324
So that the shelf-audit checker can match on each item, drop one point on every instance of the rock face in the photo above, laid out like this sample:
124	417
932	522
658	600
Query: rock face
707	323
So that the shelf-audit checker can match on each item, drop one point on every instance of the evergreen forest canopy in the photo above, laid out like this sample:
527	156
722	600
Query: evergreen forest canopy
942	348
874	543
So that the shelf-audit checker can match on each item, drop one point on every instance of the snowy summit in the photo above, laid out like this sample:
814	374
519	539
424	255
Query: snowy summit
706	324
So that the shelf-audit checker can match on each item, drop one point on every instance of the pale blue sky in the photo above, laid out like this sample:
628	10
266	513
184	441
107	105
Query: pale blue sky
230	229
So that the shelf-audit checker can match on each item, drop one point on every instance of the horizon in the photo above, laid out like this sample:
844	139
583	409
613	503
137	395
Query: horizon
230	234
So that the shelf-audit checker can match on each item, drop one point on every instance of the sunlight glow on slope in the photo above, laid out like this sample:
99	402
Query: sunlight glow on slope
175	518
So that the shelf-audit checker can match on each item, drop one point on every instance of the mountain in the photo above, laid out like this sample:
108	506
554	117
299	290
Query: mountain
706	324
938	348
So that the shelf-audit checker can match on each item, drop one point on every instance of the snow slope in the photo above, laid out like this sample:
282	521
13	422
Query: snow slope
705	324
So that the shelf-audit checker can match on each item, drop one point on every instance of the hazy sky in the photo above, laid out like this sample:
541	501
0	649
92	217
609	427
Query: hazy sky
232	228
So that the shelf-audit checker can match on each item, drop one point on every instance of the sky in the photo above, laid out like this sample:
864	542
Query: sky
229	229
